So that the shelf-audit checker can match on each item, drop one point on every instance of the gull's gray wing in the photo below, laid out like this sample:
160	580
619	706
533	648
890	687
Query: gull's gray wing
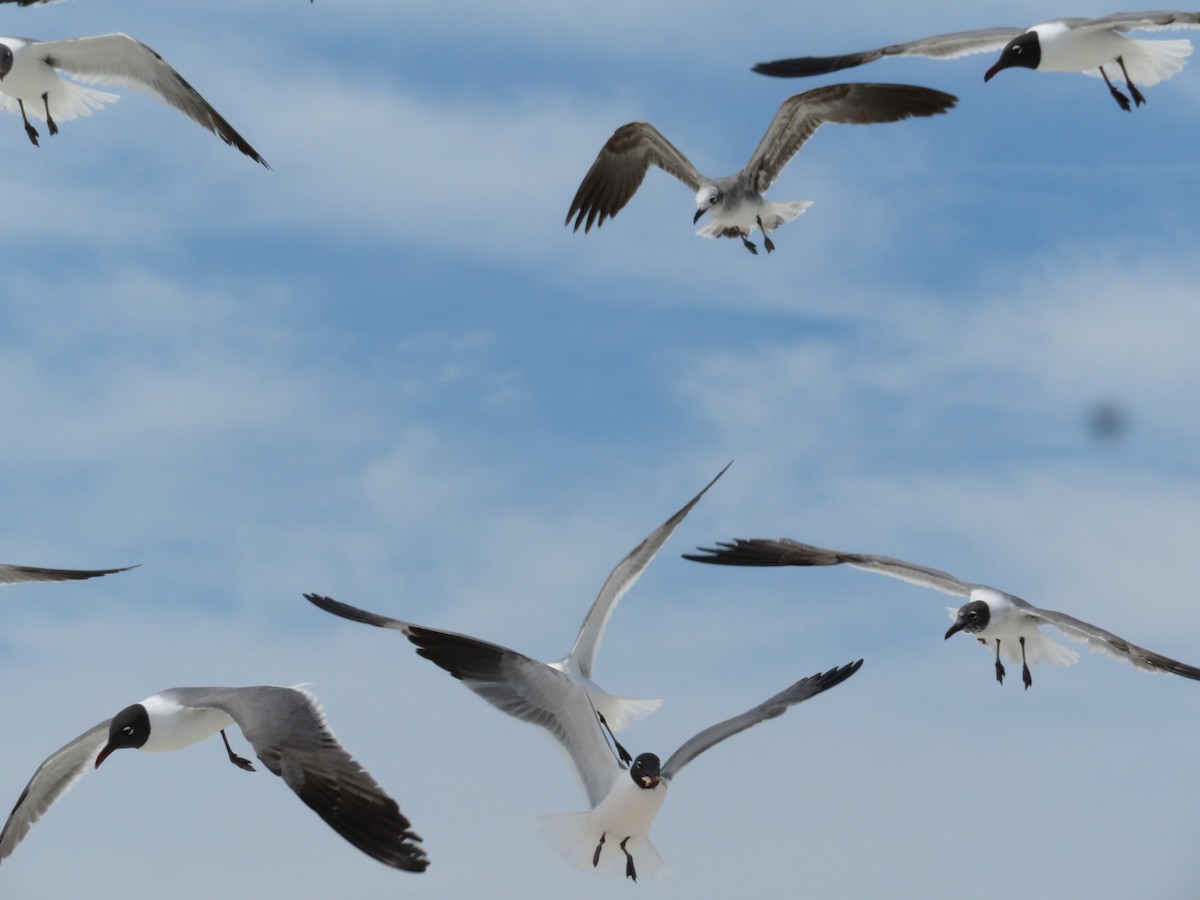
1143	21
776	706
620	580
1105	641
786	552
938	46
122	60
849	104
10	574
619	170
52	779
513	683
287	729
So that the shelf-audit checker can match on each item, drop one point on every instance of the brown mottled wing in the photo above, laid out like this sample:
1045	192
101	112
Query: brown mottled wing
10	574
848	104
618	171
938	46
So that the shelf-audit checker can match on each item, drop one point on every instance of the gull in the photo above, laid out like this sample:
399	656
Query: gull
10	574
736	203
622	801
578	663
997	619
287	730
30	84
1059	45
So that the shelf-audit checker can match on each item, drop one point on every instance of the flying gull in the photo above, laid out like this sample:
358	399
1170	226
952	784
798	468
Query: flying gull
287	730
1060	45
623	802
578	663
736	203
30	84
997	619
10	574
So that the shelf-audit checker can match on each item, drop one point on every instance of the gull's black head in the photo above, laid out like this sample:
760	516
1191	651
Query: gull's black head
6	60
1024	51
128	728
972	618
645	771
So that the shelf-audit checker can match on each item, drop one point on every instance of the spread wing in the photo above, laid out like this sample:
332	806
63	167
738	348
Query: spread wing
10	574
786	552
619	170
770	709
938	46
52	779
1106	642
1141	21
122	60
287	729
620	580
515	684
850	104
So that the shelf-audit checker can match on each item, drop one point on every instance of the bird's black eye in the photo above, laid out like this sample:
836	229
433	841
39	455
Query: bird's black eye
128	729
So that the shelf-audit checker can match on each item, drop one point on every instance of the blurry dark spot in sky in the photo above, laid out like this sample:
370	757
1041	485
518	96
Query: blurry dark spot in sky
1107	420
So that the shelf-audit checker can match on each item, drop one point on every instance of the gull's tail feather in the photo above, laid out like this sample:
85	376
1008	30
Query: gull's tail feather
73	101
621	711
575	837
775	214
1039	649
1149	62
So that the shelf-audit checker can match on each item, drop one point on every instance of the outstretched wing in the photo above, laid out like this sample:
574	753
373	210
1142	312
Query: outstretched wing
287	729
1141	21
52	779
938	46
1106	642
513	683
776	706
620	580
10	574
850	104
122	60
786	552
619	170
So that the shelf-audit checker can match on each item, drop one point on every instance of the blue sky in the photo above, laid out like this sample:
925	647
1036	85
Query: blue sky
385	371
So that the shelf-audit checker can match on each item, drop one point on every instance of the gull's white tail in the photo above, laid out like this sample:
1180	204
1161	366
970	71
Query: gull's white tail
620	711
575	837
68	101
1149	62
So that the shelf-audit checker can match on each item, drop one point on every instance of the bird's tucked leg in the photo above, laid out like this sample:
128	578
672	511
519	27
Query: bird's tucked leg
49	118
29	129
630	871
767	242
747	244
1138	99
240	761
1025	676
999	665
621	751
1122	100
596	855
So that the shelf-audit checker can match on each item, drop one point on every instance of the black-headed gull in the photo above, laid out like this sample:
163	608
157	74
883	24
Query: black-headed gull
30	83
287	729
579	661
10	574
1059	45
622	802
736	203
998	620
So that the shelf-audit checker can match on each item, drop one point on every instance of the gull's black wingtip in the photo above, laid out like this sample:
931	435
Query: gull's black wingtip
801	66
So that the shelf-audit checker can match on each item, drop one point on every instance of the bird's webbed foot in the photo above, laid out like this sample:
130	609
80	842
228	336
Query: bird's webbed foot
240	761
1026	675
29	129
749	245
630	871
767	242
596	855
999	665
51	124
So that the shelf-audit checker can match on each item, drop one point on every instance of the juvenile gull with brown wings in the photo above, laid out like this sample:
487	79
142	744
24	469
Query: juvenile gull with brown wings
736	203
